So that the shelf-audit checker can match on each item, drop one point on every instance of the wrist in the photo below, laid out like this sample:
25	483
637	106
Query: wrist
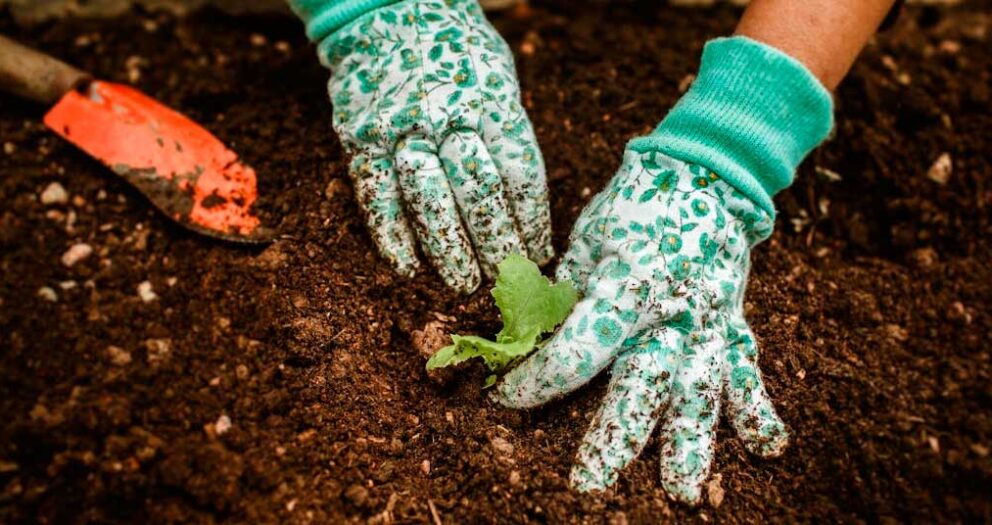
751	116
323	17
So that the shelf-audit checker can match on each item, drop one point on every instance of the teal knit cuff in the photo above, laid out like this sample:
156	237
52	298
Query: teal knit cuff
751	116
324	17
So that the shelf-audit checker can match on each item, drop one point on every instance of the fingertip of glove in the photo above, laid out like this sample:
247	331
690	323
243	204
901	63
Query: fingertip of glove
543	254
585	480
406	270
687	493
770	447
512	396
499	396
496	396
466	287
538	242
764	436
464	281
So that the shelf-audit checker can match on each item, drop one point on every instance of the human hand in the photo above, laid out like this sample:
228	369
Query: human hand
427	104
662	255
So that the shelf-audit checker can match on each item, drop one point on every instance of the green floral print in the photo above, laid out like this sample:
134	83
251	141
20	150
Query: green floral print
427	104
662	255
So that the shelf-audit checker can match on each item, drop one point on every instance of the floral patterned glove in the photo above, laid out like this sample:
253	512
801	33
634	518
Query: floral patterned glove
662	257
427	103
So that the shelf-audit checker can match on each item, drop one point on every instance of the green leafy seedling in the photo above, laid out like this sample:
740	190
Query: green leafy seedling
530	306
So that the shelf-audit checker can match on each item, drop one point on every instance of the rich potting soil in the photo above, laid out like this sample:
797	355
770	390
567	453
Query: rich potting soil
285	384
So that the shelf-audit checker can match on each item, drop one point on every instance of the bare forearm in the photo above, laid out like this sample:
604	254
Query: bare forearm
825	35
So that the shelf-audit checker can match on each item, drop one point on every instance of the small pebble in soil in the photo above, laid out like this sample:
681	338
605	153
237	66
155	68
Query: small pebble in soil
940	171
48	294
828	174
336	188
53	194
68	285
425	467
146	293
70	221
514	478
118	356
133	65
823	205
158	350
714	490
76	253
529	46
357	495
896	332
889	63
502	447
222	425
923	258
141	240
958	313
951	47
9	148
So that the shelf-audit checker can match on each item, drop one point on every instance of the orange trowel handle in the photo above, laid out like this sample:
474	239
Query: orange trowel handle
35	75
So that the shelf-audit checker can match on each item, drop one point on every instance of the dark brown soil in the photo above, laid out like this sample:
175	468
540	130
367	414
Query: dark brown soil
872	300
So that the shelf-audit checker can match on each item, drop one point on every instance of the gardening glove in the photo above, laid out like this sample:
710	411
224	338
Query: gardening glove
662	256
427	104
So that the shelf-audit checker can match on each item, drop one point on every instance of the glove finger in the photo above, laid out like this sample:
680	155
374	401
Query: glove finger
478	190
748	406
589	339
435	215
578	262
585	245
690	428
642	377
378	192
517	156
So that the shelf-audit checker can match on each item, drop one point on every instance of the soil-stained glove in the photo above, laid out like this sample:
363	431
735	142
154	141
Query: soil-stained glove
662	257
427	103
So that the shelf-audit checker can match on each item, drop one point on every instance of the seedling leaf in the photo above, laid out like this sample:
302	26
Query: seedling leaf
530	306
